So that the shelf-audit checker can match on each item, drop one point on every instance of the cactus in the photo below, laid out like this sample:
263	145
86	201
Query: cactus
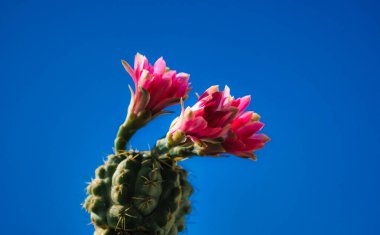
138	193
147	192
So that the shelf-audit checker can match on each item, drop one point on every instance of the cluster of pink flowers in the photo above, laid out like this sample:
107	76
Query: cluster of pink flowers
156	86
217	122
218	118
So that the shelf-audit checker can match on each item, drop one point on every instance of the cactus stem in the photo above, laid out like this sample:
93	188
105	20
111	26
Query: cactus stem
137	193
132	123
126	131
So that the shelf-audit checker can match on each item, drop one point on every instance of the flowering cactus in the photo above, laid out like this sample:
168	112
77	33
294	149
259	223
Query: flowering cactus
147	192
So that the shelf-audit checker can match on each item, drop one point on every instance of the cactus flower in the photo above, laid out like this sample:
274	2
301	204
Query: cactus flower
242	138
210	118
156	86
217	123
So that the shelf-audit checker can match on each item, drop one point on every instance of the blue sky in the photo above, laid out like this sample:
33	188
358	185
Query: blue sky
312	68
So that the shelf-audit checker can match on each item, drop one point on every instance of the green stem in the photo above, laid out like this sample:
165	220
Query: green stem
132	123
163	148
126	131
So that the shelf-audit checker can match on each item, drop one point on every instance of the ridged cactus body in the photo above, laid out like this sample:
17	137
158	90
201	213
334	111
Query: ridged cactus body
134	193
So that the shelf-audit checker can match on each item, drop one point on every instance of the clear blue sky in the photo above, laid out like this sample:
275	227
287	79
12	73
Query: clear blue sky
312	67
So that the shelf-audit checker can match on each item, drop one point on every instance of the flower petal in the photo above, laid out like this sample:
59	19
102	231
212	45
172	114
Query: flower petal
160	66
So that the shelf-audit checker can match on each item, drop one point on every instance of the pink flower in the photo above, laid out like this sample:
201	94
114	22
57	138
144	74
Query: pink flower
218	123
156	86
211	117
243	139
